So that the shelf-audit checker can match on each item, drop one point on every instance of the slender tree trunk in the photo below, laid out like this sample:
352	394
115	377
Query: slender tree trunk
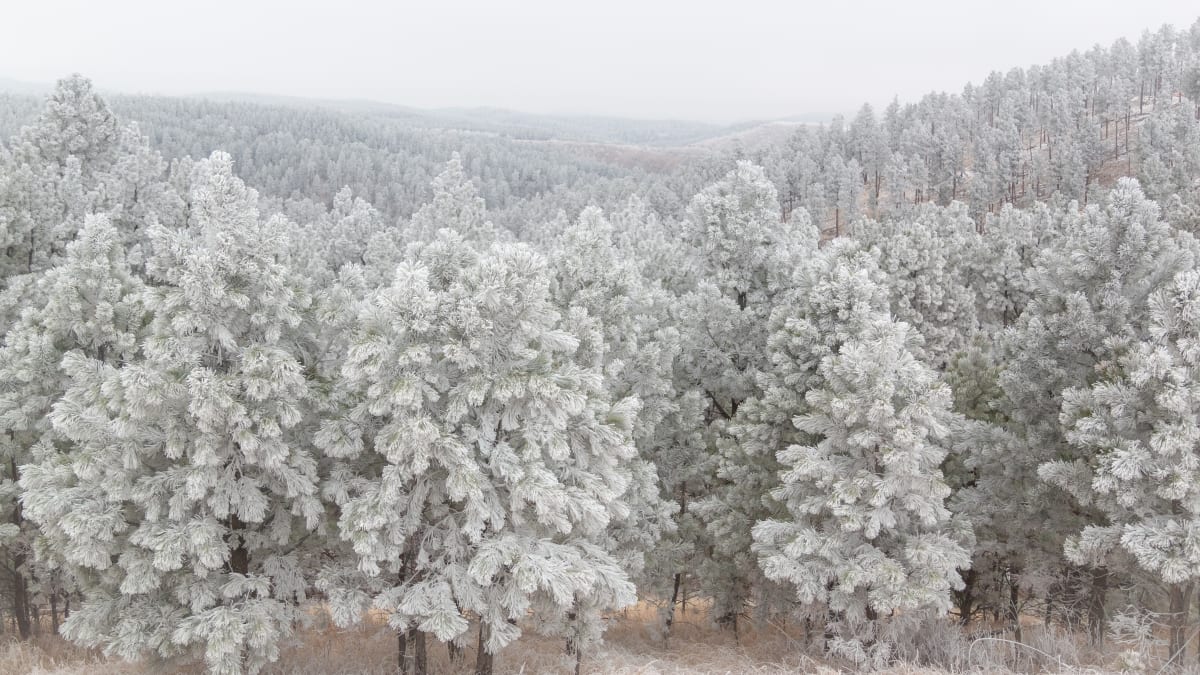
485	661
420	660
239	556
683	505
1096	597
54	611
1014	606
1180	599
966	598
20	586
455	652
402	651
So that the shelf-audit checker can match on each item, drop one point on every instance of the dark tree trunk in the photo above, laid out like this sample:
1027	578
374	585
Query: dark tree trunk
54	611
1014	607
683	504
420	660
485	661
965	599
1096	615
239	556
20	586
1180	597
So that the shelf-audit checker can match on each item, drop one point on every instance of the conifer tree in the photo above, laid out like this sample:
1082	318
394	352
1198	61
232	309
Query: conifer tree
1138	429
856	426
480	463
189	490
1090	292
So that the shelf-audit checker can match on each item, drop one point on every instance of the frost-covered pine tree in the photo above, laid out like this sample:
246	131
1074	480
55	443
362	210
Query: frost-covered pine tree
623	321
93	308
926	260
479	464
744	255
1139	432
859	426
72	162
190	488
455	205
1089	297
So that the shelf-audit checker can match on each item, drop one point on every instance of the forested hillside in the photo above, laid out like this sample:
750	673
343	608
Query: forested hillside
476	375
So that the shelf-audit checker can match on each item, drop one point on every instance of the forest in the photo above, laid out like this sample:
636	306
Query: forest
919	388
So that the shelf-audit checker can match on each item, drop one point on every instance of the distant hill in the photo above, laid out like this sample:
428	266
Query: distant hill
512	123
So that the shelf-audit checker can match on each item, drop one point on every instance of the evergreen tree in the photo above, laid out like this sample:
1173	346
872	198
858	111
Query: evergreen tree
189	491
1138	429
480	463
863	530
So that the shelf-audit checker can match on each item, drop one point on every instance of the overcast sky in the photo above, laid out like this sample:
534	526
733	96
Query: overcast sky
701	60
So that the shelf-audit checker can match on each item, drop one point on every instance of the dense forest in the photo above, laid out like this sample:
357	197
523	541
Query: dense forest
477	374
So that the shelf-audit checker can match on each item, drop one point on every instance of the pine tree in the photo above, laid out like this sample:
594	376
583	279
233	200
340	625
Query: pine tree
859	427
189	490
480	463
1140	468
1090	292
92	308
744	259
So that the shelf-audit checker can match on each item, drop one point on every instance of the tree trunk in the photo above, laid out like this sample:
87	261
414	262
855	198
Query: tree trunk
671	611
965	599
20	586
239	556
1014	605
1180	598
485	661
420	661
54	611
1096	598
683	504
402	651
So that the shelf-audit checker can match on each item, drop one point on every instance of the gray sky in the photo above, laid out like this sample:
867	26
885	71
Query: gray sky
712	61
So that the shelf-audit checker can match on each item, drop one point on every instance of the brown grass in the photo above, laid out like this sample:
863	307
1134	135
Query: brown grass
632	647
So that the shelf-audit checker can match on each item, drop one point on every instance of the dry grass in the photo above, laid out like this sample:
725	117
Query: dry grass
632	646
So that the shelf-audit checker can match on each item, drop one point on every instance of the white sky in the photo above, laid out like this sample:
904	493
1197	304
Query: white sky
702	60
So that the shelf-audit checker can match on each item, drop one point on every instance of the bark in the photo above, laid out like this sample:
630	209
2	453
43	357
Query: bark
20	585
239	556
1180	599
1096	614
54	611
678	575
1014	608
965	599
420	661
485	661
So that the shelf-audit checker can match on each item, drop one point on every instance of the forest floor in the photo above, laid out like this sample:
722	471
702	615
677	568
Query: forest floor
632	646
